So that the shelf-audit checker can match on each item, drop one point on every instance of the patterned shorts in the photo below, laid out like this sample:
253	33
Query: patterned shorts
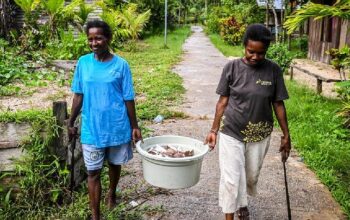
116	155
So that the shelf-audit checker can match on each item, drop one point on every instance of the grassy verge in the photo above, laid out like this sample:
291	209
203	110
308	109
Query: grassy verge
44	192
317	134
319	137
225	48
156	85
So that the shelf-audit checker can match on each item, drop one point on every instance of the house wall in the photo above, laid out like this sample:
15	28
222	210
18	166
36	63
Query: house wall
326	34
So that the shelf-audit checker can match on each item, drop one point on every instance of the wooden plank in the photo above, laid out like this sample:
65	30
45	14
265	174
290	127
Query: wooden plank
323	52
343	33
327	58
8	144
323	79
336	26
313	40
347	39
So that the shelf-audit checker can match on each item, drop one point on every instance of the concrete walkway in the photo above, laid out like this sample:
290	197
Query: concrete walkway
201	68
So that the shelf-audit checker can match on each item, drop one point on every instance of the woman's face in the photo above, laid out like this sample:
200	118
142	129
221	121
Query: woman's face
97	41
254	52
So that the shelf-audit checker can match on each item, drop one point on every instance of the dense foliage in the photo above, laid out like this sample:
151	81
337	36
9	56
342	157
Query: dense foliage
52	24
11	66
340	60
230	20
68	47
232	31
42	180
279	53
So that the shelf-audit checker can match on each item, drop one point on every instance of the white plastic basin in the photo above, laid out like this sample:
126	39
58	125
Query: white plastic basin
172	173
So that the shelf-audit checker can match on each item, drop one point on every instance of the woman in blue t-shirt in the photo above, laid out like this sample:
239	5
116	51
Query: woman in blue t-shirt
103	90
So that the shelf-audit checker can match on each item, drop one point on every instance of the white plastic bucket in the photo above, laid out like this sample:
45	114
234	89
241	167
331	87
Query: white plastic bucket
172	173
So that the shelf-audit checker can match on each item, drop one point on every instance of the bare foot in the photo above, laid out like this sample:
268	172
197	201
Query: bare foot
111	200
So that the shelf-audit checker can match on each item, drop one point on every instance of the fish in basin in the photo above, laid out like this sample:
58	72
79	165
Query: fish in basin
172	151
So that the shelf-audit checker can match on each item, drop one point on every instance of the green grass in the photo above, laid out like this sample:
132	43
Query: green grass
319	137
299	47
225	48
157	87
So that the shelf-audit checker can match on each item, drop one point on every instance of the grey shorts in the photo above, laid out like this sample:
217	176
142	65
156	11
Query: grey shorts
116	155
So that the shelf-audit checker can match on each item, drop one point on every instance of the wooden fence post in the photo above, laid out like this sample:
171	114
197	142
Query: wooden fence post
319	86
60	142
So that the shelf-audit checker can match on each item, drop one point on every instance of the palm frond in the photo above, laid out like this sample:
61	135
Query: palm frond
53	6
317	11
27	5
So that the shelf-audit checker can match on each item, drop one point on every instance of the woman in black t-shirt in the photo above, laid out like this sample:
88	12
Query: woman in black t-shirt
250	89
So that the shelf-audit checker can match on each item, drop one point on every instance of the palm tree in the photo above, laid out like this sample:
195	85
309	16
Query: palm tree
133	21
83	13
59	14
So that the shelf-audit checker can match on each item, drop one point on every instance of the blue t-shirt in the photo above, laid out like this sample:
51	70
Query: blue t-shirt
105	87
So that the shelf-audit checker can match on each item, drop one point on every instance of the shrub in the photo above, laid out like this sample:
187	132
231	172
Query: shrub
214	17
279	53
231	30
12	66
68	47
343	90
213	23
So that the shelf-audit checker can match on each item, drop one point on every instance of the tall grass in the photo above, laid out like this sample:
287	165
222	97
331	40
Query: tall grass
156	85
319	137
225	48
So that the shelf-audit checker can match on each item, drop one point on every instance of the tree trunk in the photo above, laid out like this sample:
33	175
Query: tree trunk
276	21
7	20
282	20
267	14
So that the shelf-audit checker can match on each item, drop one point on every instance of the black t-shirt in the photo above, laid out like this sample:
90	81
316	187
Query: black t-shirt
251	90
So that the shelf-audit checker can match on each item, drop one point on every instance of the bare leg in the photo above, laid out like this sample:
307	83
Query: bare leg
114	175
94	186
229	216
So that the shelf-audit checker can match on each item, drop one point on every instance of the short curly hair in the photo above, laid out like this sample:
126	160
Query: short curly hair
257	32
107	32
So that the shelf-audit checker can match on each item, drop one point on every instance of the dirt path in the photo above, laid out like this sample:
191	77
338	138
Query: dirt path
201	68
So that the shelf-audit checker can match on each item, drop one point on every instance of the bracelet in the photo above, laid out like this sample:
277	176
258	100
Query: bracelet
213	131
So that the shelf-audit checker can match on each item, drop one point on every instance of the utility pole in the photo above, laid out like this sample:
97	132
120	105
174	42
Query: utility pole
166	23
